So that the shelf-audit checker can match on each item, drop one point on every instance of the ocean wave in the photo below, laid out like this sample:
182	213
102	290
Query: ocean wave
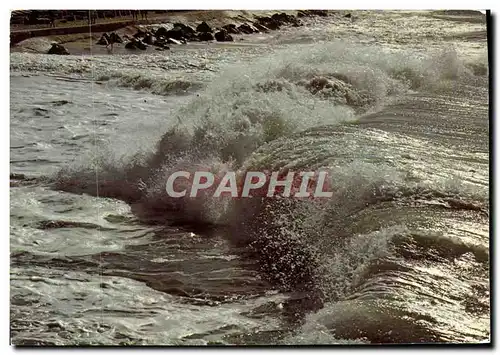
153	73
296	111
156	85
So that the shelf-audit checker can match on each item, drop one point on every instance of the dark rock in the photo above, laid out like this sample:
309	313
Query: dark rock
161	32
179	32
115	38
104	40
231	28
130	45
149	39
141	45
246	28
188	31
140	33
261	28
223	36
348	15
284	18
176	33
162	46
58	49
321	13
136	44
160	42
204	27
269	22
310	13
205	36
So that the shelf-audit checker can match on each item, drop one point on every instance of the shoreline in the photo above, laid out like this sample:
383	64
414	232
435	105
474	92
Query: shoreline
77	38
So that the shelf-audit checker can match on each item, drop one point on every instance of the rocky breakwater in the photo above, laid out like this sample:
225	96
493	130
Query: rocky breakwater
182	33
58	49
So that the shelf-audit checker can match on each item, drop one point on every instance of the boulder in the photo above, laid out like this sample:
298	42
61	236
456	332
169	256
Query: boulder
136	44
149	39
161	32
269	22
246	28
141	45
205	36
176	33
104	40
348	15
115	38
162	43
231	28
284	18
58	49
223	36
179	32
140	33
187	31
130	45
310	13
203	28
321	13
261	28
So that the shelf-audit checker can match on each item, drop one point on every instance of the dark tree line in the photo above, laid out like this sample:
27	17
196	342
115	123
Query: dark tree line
51	17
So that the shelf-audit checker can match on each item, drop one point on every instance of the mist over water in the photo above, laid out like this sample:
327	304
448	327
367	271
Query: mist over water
398	254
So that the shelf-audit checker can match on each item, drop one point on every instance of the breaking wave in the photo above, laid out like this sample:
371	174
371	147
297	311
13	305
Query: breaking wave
155	85
251	109
297	110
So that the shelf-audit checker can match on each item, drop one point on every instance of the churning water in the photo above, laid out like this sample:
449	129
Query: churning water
394	104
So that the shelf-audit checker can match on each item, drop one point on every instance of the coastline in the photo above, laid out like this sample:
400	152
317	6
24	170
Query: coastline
77	38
